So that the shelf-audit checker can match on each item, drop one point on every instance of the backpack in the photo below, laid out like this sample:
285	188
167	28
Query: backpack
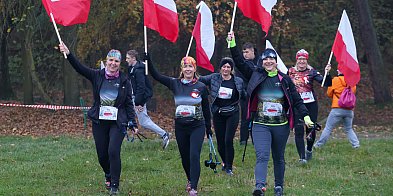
347	99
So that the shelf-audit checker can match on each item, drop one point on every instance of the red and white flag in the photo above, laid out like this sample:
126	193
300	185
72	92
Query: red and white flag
68	12
204	35
161	16
344	50
259	11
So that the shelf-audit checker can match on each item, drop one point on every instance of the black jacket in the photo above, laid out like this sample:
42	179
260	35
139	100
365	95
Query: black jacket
257	76
214	80
123	101
251	63
141	85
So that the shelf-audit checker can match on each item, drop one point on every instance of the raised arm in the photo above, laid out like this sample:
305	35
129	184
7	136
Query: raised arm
165	80
79	67
243	66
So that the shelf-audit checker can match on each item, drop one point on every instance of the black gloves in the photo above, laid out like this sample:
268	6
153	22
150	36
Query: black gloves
146	56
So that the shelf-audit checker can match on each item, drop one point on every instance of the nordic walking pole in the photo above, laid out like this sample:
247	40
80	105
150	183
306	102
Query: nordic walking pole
145	37
57	32
324	77
233	18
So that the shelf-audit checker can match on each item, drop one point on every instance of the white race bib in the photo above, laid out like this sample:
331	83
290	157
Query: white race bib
307	97
271	109
225	93
185	110
108	113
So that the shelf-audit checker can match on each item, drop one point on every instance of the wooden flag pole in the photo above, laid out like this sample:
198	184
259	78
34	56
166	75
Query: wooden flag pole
145	37
57	32
324	77
233	19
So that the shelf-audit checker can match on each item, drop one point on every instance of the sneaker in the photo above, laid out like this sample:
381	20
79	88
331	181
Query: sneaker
114	191
165	140
229	172
259	191
188	186
108	181
308	155
302	161
278	191
356	147
193	192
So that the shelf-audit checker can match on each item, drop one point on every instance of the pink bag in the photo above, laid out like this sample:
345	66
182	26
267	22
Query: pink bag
347	99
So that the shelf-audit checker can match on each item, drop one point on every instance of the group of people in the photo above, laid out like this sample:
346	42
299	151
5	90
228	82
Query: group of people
268	102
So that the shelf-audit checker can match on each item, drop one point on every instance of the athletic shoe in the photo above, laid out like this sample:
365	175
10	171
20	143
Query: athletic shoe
302	161
229	172
114	191
108	181
193	192
356	147
165	140
278	191
259	191
188	186
308	155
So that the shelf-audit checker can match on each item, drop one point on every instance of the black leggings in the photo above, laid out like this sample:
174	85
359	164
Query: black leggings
189	141
299	129
108	139
225	128
244	123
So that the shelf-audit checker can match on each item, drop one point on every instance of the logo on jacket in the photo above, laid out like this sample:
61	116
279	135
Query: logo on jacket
195	93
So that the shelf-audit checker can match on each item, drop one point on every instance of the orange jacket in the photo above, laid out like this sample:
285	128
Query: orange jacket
334	91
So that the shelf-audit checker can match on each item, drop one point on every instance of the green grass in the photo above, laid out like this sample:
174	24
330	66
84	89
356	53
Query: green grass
69	166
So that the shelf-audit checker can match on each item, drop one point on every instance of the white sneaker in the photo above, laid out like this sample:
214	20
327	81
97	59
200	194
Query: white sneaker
165	140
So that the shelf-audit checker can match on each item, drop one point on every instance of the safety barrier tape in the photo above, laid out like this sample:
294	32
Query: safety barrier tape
51	107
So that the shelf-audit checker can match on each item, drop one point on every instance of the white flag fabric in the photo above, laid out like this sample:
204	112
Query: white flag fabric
281	66
204	35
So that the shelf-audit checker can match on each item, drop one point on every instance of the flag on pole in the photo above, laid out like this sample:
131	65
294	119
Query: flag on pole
280	64
161	16
68	12
259	11
344	50
204	36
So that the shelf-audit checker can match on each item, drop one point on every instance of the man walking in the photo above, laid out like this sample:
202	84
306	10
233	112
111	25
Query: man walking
142	92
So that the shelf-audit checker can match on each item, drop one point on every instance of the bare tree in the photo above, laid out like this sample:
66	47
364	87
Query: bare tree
379	78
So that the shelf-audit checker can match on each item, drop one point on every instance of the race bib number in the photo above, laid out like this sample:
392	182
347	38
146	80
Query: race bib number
307	97
185	110
108	113
271	109
225	93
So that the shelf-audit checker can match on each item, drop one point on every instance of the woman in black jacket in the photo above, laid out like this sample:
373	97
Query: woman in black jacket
111	112
226	90
192	116
273	97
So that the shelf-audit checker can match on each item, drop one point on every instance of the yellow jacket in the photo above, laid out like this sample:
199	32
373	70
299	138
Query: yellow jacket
334	91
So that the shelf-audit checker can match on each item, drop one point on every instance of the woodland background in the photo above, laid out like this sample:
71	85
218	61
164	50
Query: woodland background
32	71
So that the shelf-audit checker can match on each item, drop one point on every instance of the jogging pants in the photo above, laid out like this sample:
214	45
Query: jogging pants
299	130
146	122
189	141
225	128
266	138
108	139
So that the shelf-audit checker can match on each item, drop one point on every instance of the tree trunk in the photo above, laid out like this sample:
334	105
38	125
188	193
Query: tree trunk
6	91
378	76
27	62
71	87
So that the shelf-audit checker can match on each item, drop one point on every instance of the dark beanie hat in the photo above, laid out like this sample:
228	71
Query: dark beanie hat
226	60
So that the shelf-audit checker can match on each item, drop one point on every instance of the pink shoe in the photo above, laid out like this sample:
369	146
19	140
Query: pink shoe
193	192
188	186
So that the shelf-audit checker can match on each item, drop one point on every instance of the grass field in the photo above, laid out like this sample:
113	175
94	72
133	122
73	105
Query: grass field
69	166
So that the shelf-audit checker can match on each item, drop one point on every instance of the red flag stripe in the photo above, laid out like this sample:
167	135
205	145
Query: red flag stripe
202	58
255	10
68	12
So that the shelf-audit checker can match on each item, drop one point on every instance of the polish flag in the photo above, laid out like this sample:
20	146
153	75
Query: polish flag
344	50
204	35
68	12
161	16
280	64
259	11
